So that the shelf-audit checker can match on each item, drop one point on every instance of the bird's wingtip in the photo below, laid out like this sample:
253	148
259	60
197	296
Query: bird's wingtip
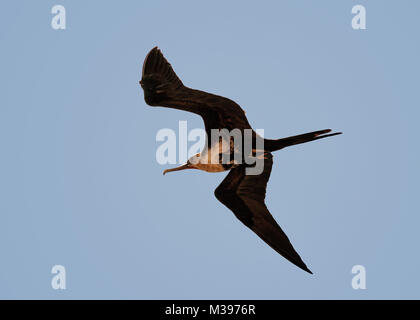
305	268
155	63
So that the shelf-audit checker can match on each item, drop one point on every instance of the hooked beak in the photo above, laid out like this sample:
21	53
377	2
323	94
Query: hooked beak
183	167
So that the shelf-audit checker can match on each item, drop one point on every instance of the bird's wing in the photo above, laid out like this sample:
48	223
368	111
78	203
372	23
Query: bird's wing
245	196
162	87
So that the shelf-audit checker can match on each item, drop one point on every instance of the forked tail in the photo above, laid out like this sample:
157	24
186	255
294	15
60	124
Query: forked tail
273	145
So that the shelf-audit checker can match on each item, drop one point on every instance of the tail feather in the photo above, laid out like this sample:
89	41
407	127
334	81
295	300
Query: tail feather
273	145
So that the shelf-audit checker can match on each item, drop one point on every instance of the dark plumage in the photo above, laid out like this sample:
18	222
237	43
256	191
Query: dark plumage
243	194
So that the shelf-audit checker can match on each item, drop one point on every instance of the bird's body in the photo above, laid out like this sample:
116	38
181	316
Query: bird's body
209	159
240	191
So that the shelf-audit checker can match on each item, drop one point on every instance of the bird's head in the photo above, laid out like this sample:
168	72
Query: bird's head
192	163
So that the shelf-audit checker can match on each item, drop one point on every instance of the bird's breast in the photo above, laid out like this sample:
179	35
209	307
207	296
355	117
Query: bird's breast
216	159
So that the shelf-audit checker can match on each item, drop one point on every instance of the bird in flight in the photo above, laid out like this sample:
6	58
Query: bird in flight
242	193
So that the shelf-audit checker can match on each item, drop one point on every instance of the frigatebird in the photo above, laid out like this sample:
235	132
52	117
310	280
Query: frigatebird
242	193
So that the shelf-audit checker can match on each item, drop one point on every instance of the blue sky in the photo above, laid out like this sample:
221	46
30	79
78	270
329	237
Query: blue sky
80	185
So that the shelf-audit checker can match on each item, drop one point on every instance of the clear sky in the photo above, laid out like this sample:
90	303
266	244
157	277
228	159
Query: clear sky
80	185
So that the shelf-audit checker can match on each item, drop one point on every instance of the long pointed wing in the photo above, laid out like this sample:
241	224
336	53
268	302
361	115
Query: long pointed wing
162	87
245	196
